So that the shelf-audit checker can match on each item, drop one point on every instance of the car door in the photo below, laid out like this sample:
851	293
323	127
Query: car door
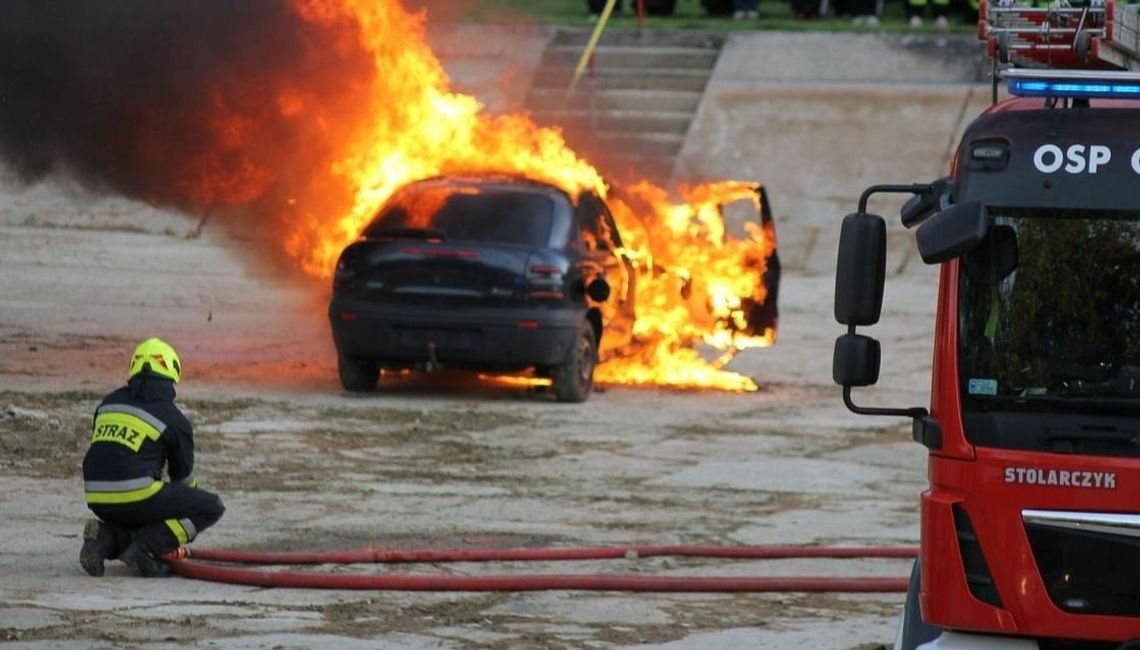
604	257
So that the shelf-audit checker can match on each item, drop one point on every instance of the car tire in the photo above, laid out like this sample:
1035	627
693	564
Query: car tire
574	378
357	376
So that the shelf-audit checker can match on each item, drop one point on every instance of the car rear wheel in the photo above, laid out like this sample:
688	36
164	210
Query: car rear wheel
574	379
356	375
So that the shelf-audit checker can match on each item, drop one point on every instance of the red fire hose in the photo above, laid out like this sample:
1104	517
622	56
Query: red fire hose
180	563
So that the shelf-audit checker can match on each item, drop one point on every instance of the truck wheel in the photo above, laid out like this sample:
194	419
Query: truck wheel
1003	47
357	376
1081	45
913	632
574	379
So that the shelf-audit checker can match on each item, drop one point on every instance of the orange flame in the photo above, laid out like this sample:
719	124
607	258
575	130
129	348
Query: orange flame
693	284
693	276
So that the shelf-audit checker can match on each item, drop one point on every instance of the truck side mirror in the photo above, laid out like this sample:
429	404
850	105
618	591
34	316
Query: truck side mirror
855	361
861	269
952	232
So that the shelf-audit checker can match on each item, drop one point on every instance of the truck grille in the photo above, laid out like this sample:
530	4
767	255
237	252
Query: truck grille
1089	562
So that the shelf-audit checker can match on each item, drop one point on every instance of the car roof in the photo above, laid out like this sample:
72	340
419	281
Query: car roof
487	181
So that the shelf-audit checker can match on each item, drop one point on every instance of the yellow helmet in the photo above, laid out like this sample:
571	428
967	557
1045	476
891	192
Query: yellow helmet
159	357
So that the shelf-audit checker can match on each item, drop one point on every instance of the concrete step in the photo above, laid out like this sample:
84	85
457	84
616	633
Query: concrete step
673	101
657	122
650	38
558	77
640	144
635	57
631	111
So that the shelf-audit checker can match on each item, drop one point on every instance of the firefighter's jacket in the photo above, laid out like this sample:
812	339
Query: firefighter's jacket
137	431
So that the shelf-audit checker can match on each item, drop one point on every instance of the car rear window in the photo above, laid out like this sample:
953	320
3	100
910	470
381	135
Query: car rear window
468	214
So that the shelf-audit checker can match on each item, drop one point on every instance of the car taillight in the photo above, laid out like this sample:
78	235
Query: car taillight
344	278
544	281
547	295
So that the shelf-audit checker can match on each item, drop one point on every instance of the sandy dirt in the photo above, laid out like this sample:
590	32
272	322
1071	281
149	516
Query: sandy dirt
437	461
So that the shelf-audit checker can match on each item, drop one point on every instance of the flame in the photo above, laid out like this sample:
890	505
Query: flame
398	121
418	128
693	282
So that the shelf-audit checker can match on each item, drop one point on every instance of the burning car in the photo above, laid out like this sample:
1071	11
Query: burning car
484	272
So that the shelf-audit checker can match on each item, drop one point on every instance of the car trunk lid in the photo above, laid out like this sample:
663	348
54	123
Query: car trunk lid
440	273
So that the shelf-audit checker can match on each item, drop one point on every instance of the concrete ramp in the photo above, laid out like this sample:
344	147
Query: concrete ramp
817	117
631	112
814	116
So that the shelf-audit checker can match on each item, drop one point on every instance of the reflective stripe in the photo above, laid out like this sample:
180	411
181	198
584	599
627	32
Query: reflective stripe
104	496
124	428
992	321
135	411
175	527
128	485
191	530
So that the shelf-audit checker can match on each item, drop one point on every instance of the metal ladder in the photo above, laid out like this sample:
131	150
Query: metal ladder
1104	34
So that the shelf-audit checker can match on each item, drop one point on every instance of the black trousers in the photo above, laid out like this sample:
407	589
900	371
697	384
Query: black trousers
855	7
596	6
172	517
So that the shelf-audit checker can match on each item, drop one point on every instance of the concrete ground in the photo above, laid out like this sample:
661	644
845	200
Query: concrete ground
445	462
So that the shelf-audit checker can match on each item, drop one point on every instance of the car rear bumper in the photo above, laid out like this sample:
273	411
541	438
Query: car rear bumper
499	337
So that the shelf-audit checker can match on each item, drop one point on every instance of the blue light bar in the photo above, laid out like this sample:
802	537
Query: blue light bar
1103	89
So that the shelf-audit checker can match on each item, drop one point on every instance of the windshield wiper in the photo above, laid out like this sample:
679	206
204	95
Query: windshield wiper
1076	439
404	232
1065	401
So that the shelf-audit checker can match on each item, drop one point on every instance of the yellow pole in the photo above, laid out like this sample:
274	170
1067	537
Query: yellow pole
590	45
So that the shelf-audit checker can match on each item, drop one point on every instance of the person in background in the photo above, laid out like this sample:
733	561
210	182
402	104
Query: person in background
968	9
915	9
809	9
717	8
745	9
863	12
597	6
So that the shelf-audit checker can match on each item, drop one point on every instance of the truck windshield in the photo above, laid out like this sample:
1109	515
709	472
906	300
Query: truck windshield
1049	313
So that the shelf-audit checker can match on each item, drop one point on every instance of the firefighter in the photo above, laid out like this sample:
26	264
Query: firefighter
137	431
916	8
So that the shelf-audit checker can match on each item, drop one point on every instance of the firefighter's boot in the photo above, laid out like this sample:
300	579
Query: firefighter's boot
145	564
98	545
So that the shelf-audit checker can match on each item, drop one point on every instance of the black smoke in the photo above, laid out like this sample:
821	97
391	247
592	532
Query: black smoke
173	101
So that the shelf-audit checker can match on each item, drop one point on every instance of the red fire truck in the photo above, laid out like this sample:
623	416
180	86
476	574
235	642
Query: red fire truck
1031	524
